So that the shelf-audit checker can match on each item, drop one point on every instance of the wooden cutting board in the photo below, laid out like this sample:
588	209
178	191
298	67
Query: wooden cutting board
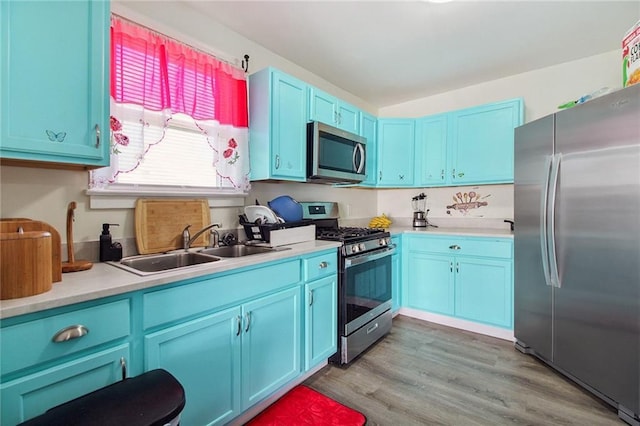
159	223
9	225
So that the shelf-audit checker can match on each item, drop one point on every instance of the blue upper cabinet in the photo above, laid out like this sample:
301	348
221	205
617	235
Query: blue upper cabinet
368	130
431	150
277	126
332	111
54	82
395	152
481	143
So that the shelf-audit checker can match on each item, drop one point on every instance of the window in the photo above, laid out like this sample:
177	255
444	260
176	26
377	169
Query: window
179	120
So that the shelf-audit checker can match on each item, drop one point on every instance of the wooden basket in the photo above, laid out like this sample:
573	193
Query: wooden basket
25	264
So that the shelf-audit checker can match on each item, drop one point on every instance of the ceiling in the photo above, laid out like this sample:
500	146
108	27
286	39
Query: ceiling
388	52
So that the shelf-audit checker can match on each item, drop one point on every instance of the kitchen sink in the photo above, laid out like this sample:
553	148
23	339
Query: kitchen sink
238	250
164	262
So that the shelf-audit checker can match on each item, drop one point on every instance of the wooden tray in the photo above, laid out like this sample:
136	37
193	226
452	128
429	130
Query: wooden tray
12	224
159	223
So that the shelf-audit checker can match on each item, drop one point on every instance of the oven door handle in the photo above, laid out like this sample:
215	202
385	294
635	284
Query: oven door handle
368	257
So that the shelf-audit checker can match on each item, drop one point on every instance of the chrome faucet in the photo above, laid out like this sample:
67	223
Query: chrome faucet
187	239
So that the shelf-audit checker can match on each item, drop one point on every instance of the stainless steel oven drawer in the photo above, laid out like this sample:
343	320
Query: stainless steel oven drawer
358	341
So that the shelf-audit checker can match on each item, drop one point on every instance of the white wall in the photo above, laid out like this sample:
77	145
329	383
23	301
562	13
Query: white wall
543	90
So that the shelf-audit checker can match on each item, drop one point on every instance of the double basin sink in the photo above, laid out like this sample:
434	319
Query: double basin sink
163	262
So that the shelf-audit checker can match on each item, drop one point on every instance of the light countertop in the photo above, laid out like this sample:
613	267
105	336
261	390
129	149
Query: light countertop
104	280
463	232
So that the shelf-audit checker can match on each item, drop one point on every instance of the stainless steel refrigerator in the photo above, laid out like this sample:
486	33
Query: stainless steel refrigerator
577	245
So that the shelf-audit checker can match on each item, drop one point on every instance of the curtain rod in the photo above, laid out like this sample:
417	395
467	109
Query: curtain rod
234	62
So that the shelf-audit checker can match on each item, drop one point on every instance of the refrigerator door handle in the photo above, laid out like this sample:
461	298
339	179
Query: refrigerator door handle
551	230
544	208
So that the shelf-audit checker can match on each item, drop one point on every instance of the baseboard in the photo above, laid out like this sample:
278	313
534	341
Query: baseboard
500	333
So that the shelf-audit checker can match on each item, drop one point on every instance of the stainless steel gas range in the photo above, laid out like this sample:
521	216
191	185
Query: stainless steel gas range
364	281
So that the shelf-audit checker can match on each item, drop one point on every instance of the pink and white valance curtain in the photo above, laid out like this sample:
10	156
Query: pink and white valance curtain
154	77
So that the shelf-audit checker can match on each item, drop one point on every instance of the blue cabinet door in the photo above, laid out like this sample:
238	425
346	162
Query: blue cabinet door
204	355
54	80
321	320
322	107
431	150
289	127
332	111
368	129
482	143
270	344
395	152
348	117
29	396
430	283
484	291
277	126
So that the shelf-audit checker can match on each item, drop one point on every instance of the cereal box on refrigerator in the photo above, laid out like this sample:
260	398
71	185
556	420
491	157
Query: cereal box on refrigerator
631	56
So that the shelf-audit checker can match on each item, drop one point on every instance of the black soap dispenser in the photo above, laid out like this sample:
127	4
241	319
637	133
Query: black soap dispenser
109	250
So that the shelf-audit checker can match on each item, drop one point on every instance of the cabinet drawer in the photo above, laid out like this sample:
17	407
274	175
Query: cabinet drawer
485	247
30	343
172	304
320	266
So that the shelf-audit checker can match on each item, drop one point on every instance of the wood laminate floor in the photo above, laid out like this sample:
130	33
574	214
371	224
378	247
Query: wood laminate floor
427	374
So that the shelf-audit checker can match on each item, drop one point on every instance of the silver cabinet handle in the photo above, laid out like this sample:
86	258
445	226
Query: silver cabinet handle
453	173
277	161
455	247
310	297
380	175
70	333
239	323
123	367
323	265
457	267
247	318
97	135
442	174
450	266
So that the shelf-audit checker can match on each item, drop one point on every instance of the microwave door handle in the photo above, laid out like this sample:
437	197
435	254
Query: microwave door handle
358	167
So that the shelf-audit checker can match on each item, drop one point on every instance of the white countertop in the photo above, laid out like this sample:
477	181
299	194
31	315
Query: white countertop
464	232
104	280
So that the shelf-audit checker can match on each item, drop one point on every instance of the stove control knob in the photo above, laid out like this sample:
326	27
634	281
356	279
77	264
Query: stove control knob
382	242
387	241
361	247
354	248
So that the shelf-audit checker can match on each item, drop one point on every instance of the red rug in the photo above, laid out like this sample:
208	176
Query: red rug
304	406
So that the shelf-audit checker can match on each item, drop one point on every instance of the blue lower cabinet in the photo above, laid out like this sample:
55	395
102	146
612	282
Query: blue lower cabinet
321	320
232	359
270	344
484	291
31	395
204	355
431	284
463	277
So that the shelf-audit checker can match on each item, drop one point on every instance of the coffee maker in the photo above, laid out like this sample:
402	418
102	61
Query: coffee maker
419	204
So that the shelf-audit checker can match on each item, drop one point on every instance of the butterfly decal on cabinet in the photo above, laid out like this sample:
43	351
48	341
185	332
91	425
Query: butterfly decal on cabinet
56	137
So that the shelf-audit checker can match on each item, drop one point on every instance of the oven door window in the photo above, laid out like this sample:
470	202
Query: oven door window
367	286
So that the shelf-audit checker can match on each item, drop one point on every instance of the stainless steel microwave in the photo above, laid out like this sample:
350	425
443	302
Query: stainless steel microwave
333	155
